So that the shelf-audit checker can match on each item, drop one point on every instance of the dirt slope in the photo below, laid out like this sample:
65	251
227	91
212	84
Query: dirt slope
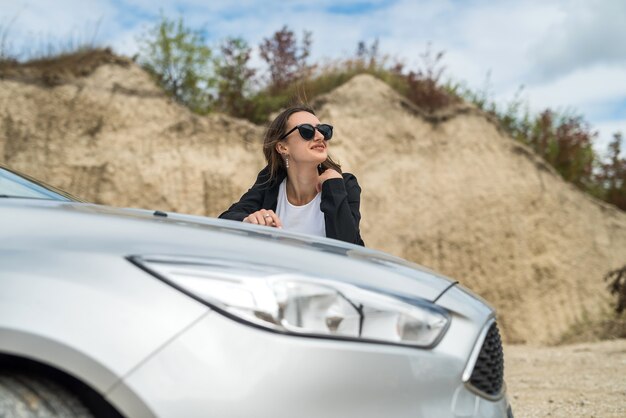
455	194
450	192
114	138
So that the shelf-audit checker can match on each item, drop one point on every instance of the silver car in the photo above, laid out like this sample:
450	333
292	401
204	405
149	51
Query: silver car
112	312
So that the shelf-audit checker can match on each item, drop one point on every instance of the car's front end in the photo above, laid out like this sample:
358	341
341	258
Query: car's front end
232	367
171	315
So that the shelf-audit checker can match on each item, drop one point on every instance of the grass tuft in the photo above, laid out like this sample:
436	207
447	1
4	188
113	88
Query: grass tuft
53	71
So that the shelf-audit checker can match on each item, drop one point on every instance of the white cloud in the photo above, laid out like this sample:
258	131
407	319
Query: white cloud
37	26
605	136
590	33
126	42
582	88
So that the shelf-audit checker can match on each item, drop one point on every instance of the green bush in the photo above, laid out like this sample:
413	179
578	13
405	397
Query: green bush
617	287
611	178
234	78
180	61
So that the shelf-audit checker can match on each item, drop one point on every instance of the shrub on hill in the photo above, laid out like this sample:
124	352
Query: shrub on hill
234	78
611	179
180	61
60	69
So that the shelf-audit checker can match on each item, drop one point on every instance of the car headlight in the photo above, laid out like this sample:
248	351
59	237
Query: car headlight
294	303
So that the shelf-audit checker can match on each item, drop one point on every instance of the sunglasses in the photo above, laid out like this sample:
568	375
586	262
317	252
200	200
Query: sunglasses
307	131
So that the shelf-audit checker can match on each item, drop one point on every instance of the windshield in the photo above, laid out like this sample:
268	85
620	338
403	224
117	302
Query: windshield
13	185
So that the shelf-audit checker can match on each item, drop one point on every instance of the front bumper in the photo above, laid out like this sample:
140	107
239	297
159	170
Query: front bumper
221	368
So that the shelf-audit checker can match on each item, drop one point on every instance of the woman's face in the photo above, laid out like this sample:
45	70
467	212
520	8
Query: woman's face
299	150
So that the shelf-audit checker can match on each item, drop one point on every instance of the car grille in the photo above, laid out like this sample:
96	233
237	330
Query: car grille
488	373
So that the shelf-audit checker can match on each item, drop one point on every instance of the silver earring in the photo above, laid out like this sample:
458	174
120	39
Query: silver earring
287	161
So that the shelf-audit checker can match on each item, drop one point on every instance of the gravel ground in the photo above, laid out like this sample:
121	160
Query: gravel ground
580	380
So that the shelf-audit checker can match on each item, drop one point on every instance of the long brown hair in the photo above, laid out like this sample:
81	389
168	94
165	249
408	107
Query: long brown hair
274	131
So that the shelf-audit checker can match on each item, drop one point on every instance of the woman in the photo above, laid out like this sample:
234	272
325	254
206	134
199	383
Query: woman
301	189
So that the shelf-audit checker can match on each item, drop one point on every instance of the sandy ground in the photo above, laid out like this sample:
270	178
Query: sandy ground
581	380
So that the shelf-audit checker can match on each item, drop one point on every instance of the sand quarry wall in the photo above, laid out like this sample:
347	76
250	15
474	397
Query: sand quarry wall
449	191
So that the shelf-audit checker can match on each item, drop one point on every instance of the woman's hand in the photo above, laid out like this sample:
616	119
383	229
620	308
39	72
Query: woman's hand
328	174
264	217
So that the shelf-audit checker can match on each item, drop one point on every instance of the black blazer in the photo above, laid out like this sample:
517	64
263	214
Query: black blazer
340	204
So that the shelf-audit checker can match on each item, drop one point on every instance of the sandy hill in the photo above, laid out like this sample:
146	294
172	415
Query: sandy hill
450	191
114	138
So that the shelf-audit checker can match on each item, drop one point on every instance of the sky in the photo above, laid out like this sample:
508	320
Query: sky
567	55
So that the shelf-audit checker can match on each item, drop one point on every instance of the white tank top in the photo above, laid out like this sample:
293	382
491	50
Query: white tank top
306	219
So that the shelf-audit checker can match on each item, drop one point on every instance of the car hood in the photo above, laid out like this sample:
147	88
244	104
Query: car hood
49	226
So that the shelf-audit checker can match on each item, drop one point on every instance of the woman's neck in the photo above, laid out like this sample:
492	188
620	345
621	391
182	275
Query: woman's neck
301	185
